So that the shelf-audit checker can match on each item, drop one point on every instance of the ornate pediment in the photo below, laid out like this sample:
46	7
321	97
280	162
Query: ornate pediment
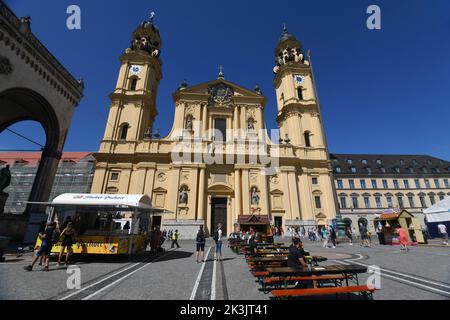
220	94
321	215
276	191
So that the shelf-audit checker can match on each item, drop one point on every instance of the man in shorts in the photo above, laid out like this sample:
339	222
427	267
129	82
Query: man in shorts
443	232
45	248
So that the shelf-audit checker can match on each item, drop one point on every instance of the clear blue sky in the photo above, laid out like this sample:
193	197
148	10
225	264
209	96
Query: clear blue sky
382	91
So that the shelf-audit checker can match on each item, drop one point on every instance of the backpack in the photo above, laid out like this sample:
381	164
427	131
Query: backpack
200	237
216	235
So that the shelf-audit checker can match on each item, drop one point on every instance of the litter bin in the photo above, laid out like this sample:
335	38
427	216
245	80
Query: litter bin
4	242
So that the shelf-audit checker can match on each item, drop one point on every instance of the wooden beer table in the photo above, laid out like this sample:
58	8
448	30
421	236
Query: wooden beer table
349	271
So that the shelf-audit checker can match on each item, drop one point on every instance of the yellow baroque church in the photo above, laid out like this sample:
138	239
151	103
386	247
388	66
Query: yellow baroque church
219	163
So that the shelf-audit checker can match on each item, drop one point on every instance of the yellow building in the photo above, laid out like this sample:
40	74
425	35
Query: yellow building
218	161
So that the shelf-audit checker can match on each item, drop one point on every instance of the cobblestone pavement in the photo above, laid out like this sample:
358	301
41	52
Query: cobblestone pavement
421	273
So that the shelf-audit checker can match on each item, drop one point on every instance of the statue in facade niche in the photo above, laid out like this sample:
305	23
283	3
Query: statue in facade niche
189	123
250	124
183	197
255	196
5	178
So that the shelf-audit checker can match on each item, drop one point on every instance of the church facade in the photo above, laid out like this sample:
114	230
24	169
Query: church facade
219	161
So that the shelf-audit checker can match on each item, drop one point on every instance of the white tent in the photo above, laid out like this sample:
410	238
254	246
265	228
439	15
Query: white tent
440	212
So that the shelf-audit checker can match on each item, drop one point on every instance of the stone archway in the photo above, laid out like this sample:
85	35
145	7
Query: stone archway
34	85
19	104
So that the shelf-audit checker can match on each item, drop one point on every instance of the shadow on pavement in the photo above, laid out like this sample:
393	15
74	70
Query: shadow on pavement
12	260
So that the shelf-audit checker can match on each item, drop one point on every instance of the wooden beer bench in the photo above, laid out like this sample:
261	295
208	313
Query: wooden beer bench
273	283
292	293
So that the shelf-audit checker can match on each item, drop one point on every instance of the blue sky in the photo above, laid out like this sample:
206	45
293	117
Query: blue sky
382	91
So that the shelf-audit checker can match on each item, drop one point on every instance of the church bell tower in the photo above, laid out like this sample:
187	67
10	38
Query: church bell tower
133	102
298	111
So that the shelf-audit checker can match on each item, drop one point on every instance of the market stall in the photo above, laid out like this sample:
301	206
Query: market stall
258	223
394	219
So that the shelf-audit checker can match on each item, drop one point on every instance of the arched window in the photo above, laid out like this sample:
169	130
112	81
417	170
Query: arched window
133	84
123	132
307	136
300	93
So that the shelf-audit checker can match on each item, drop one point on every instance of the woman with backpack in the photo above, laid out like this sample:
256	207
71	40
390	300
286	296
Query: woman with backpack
200	239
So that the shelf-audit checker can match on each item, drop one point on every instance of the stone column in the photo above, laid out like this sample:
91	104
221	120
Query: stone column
295	204
265	196
260	119
287	195
245	193
317	138
208	215
150	182
307	199
237	192
202	214
204	120
98	183
235	120
43	182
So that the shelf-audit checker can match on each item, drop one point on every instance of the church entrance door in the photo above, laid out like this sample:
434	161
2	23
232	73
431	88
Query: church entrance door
219	214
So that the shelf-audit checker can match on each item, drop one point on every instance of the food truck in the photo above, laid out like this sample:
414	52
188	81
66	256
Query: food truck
112	224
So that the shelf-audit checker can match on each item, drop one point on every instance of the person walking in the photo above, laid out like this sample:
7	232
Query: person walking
68	239
348	233
363	233
325	236
175	236
200	240
155	240
218	239
369	238
48	239
380	234
333	236
403	238
443	232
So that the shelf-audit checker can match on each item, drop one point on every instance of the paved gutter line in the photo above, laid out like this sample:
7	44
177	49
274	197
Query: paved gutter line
213	282
224	282
108	277
398	279
439	284
125	276
200	273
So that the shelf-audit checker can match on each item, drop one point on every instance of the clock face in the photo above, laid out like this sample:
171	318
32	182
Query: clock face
135	70
299	79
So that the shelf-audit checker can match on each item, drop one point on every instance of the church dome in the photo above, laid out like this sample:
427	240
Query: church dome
146	38
287	40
